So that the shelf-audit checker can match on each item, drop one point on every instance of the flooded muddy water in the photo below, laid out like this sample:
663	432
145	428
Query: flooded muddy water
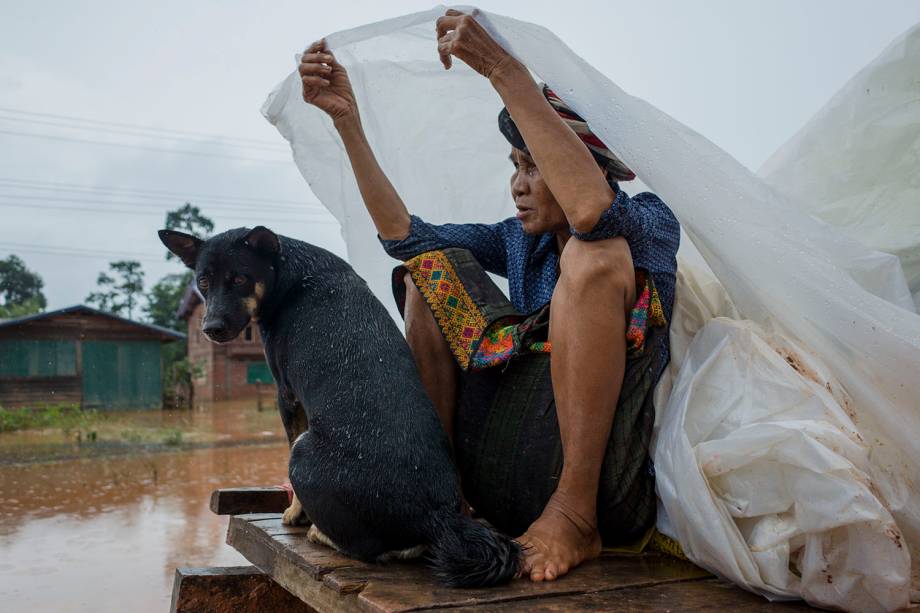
106	533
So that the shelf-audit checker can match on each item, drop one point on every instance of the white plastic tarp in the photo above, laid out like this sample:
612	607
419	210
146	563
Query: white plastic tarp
435	134
855	163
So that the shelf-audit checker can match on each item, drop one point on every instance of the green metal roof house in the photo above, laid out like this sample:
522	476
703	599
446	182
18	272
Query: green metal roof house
80	355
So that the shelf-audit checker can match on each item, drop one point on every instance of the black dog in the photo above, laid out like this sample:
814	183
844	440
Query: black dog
373	471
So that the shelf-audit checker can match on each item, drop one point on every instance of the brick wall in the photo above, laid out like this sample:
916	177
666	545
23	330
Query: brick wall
225	365
200	351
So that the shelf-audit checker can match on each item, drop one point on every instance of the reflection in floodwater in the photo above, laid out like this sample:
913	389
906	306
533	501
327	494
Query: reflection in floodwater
106	533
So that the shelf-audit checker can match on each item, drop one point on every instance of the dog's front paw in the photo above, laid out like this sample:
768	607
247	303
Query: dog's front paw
314	535
294	515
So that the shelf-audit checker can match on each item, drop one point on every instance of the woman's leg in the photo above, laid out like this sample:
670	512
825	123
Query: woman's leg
588	317
433	358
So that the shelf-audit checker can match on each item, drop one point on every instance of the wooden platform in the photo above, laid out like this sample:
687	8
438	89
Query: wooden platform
327	581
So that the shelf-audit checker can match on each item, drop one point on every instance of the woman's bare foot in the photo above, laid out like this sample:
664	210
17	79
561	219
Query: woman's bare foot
558	541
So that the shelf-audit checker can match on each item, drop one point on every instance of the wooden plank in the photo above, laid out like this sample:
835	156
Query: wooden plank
284	558
39	391
239	500
696	596
236	589
269	538
329	581
408	588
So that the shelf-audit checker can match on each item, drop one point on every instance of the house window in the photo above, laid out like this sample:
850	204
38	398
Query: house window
248	334
258	372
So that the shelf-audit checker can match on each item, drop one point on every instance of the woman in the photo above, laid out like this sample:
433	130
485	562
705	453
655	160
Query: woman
591	274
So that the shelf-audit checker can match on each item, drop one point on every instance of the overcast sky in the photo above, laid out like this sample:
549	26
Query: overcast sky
152	77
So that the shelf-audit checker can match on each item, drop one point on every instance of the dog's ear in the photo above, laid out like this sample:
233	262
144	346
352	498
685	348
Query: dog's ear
264	241
183	245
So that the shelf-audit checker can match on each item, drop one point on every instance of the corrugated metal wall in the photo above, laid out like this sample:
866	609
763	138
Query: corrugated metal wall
38	358
121	374
116	374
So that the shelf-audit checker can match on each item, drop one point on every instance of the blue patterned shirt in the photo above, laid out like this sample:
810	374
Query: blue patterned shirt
530	262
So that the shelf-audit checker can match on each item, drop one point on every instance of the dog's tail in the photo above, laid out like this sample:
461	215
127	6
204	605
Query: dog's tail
466	553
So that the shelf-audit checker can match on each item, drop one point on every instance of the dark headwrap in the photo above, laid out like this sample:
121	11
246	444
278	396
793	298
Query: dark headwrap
616	170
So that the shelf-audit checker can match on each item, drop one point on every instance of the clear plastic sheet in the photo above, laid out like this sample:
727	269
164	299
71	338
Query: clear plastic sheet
797	282
854	164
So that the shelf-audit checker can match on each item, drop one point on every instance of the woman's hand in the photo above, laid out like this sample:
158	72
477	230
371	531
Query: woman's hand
460	35
325	82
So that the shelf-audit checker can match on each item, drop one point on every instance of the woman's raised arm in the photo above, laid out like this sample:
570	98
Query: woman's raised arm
571	173
326	86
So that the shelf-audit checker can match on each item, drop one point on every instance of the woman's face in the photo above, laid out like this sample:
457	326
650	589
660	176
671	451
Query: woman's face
536	206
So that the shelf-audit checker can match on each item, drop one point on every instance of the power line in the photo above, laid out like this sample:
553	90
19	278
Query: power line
117	124
77	187
228	207
88	141
77	252
154	213
127	132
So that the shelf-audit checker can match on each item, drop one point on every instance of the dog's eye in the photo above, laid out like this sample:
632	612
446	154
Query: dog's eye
239	280
203	284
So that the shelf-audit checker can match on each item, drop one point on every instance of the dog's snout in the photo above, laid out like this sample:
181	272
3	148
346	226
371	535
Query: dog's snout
214	329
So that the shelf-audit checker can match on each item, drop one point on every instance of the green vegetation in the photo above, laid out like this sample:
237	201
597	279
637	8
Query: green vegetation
89	426
173	437
164	298
57	432
66	417
20	289
162	304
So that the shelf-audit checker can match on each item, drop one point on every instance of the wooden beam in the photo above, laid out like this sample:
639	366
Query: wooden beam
241	500
236	589
711	595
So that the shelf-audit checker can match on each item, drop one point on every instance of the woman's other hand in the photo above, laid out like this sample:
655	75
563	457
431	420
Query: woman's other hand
325	82
460	35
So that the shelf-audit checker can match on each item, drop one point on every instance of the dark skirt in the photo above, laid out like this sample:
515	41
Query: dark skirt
507	442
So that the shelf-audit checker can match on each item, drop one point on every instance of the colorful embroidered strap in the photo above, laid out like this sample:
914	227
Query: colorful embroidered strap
457	315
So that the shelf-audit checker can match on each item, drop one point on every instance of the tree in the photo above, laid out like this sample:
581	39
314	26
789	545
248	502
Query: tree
188	218
119	295
20	289
180	382
163	302
164	298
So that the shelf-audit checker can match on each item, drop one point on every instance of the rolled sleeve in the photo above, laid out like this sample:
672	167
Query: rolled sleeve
632	218
485	241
